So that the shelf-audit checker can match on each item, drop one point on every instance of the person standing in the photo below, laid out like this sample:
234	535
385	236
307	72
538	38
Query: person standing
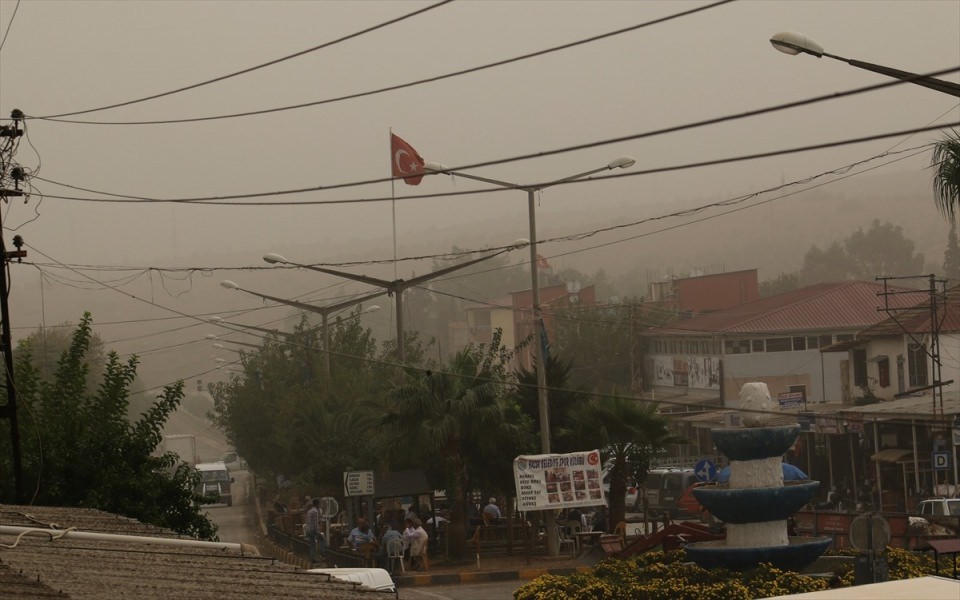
311	529
416	539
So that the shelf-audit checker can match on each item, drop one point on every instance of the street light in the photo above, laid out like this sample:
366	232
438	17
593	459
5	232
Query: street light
396	287
791	42
324	312
543	406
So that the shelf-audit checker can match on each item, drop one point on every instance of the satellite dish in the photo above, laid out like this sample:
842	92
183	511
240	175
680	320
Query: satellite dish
328	507
861	529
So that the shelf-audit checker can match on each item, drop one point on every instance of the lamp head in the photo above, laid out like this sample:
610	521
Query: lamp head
274	258
792	42
624	162
216	319
371	308
229	285
434	167
220	346
210	336
519	243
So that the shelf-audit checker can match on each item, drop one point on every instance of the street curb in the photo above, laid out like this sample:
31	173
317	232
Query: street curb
482	576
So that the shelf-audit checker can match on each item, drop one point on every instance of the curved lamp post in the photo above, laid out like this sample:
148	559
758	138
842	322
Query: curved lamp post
792	42
623	162
323	311
395	287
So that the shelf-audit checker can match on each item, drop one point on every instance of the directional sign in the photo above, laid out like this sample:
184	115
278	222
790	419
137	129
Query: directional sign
941	460
705	470
358	483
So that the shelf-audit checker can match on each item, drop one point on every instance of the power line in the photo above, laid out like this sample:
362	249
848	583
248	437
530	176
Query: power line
217	200
249	69
383	89
9	23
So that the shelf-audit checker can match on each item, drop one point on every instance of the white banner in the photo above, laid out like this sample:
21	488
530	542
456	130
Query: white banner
546	481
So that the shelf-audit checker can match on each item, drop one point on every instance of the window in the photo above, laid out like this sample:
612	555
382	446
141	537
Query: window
883	372
826	340
813	342
757	345
779	344
799	343
845	337
860	368
917	357
737	346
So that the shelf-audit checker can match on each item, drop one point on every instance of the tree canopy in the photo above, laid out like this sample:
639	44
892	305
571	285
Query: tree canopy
79	448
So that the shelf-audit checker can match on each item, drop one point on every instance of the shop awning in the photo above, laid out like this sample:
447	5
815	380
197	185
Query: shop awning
892	455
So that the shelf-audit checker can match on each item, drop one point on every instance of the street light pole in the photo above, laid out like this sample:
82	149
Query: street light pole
323	311
395	287
543	404
793	43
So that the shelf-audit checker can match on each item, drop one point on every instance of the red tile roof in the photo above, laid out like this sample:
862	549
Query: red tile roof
848	305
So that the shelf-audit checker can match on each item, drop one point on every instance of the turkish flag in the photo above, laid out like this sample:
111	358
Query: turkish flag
542	262
406	162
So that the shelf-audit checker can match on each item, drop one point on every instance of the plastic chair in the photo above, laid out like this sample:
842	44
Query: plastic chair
564	539
395	552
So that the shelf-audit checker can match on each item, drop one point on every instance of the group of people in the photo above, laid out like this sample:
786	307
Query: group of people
414	538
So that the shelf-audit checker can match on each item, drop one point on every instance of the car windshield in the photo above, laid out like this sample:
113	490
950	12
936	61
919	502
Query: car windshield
213	476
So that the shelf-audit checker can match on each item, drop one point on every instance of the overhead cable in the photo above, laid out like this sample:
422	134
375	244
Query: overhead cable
376	91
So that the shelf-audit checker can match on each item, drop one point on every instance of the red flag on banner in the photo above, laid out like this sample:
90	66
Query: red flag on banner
542	262
406	162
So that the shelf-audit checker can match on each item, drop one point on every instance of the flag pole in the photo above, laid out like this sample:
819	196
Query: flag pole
393	203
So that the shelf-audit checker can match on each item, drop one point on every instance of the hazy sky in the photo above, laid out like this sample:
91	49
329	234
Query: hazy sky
67	56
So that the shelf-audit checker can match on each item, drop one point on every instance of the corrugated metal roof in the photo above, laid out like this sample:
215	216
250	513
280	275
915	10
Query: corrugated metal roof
848	305
41	567
916	319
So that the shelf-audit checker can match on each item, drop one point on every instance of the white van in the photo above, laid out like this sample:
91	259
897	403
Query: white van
215	481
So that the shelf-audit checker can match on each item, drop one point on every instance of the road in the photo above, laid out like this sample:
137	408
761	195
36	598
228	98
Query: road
500	590
237	523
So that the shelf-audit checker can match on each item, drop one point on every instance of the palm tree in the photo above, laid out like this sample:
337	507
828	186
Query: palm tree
627	432
946	180
457	423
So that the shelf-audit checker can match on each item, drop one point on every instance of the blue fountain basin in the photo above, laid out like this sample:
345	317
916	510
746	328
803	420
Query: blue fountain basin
752	443
798	554
755	505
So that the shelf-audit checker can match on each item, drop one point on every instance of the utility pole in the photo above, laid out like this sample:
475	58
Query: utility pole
9	171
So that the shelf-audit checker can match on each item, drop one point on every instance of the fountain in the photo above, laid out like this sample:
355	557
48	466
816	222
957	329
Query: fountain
755	503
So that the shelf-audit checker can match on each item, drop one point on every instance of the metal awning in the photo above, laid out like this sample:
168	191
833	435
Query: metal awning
893	455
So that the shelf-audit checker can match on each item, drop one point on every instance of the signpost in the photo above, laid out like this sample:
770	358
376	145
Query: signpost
940	460
705	470
790	399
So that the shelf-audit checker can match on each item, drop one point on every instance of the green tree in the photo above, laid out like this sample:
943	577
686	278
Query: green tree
562	398
946	179
81	450
784	282
599	340
627	433
863	255
951	257
458	423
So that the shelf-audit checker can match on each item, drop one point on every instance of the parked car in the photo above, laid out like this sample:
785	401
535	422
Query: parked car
663	489
215	482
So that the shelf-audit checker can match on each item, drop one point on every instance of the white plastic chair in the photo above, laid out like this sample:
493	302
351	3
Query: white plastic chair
564	539
395	551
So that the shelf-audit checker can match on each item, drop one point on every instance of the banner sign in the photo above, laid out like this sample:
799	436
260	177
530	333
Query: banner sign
548	481
790	399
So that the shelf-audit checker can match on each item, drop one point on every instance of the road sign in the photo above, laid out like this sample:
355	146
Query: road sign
358	483
705	470
940	460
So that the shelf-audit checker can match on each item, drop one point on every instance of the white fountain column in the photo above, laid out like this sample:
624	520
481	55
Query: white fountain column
755	405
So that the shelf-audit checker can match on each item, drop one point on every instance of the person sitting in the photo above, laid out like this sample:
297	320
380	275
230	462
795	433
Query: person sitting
363	540
600	520
491	512
415	539
389	534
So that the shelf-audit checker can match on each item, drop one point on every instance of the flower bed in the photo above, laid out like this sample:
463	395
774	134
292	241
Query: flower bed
667	576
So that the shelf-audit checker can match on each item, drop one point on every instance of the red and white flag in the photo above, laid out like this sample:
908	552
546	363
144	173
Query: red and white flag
406	161
542	262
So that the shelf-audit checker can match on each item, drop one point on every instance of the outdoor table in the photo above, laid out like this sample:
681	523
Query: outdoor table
590	537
